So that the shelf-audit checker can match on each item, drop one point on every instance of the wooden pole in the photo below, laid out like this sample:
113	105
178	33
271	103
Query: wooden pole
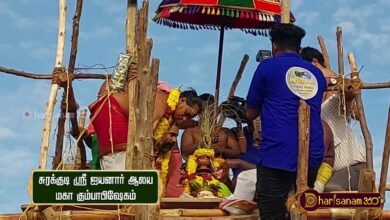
50	77
132	84
240	71
54	87
142	94
340	50
363	122
233	88
130	26
68	96
304	140
285	11
324	52
303	157
385	160
80	158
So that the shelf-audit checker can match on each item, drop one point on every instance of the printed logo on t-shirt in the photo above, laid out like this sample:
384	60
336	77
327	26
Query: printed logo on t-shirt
302	82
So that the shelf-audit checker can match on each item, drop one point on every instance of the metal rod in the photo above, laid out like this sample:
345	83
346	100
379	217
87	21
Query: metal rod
219	68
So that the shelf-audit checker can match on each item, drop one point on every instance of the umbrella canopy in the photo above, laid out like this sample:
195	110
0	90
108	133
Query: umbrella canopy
252	16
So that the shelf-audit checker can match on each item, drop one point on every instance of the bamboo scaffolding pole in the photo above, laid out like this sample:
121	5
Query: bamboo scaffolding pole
68	96
54	87
385	161
363	122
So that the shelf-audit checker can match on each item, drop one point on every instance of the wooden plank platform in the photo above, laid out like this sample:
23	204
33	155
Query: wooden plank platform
190	203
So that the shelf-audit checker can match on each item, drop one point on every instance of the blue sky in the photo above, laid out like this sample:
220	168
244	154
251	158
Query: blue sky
28	42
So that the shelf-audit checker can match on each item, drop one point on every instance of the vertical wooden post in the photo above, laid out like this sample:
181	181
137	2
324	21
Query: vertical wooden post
132	84
340	50
54	86
70	97
285	11
303	155
324	52
304	140
79	163
356	83
142	95
385	160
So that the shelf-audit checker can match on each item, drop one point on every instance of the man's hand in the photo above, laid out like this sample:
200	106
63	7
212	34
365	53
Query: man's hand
233	163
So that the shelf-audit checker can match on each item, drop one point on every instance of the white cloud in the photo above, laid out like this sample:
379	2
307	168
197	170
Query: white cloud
209	49
111	7
16	161
195	68
23	22
18	20
308	17
359	15
6	133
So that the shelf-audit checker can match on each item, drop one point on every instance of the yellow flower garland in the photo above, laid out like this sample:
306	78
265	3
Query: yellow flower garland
192	166
162	127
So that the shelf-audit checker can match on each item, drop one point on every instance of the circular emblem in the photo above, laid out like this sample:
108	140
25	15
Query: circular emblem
302	82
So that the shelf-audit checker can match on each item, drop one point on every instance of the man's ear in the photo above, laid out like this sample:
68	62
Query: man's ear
314	61
274	49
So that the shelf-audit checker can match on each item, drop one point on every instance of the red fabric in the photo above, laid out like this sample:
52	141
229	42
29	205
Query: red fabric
174	188
90	129
101	123
200	2
267	6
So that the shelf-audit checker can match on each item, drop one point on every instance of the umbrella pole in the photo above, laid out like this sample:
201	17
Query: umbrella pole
219	67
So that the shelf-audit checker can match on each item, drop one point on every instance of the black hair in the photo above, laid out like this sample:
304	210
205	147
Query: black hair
309	53
192	98
207	99
287	36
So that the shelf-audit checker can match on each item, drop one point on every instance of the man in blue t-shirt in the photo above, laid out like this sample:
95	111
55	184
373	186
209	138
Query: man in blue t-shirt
276	88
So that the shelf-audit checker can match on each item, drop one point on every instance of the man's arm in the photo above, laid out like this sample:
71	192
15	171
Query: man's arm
231	148
329	144
244	165
255	97
188	143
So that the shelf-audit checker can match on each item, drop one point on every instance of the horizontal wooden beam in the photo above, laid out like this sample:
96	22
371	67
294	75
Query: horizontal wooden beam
50	76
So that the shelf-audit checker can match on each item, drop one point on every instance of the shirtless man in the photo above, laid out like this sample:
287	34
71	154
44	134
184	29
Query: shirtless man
227	145
109	115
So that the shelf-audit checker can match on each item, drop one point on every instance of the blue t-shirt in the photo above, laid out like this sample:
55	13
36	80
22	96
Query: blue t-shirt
276	88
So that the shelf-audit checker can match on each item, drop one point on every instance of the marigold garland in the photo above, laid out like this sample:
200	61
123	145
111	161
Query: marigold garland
192	166
162	127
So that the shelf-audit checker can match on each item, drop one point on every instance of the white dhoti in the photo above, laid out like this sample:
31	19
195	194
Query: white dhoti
115	161
246	185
